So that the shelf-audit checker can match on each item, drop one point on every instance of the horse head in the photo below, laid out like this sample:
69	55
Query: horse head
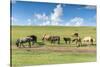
17	42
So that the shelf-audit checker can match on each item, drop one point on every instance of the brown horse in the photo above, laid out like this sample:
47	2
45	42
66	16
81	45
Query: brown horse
52	39
78	41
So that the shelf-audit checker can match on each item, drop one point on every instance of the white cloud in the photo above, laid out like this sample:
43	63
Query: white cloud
53	19
56	15
41	16
77	21
43	19
90	7
29	22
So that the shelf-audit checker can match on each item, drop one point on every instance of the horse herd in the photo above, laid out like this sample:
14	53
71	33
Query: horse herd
55	39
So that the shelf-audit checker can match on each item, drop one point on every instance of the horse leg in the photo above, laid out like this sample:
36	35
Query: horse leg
51	41
66	42
54	42
29	44
77	43
91	41
58	42
69	41
19	45
80	43
23	45
32	42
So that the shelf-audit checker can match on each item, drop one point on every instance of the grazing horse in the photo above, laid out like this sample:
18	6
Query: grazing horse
67	40
78	41
52	39
88	40
34	39
20	42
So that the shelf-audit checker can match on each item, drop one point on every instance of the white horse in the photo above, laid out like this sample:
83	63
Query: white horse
88	40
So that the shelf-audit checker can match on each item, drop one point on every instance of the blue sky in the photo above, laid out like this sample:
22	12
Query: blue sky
41	14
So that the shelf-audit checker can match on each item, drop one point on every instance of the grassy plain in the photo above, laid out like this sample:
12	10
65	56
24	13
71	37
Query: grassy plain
51	54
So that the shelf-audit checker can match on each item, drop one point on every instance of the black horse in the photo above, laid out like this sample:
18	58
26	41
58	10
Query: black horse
67	40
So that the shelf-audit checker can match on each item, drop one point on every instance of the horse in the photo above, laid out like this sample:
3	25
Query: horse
88	40
67	39
52	39
21	41
78	41
34	39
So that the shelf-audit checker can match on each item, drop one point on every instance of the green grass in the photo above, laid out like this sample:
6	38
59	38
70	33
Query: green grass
22	57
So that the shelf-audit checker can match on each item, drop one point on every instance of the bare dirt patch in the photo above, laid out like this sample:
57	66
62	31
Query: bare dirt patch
87	49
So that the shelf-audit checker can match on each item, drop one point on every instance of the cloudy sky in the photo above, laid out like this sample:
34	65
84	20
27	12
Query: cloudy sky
41	14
